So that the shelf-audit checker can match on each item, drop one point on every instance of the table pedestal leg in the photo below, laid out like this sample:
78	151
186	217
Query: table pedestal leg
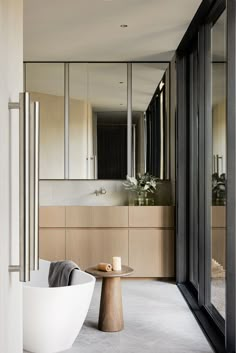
111	312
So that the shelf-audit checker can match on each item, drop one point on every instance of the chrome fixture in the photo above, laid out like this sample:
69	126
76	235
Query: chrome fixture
101	191
28	185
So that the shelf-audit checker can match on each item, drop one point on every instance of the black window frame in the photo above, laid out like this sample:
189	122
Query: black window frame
222	337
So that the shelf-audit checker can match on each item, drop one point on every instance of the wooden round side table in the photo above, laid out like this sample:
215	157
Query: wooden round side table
111	311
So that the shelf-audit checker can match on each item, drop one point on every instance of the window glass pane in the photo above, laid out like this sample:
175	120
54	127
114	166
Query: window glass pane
150	118
218	209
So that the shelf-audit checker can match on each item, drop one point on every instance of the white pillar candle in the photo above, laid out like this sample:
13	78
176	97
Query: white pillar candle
116	263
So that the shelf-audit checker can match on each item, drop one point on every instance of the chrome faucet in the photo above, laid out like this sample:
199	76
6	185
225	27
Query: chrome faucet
101	191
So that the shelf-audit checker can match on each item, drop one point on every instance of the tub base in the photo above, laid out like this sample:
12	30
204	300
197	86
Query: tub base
53	317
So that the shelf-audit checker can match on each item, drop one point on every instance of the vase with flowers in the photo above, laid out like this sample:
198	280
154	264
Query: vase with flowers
144	185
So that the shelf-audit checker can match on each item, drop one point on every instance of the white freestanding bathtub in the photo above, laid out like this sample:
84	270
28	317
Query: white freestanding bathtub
53	317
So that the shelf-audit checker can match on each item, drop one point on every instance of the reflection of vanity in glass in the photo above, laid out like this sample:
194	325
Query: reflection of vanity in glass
83	132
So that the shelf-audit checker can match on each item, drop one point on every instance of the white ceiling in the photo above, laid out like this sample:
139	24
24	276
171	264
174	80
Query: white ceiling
89	30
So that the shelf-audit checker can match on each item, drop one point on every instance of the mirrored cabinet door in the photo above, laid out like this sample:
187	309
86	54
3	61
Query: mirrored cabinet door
45	82
78	121
107	121
83	130
98	121
150	119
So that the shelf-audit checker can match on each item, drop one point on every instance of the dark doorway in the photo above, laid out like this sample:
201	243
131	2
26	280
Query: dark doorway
112	147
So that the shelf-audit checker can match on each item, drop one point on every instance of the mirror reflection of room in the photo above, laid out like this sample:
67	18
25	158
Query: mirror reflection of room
219	177
96	94
151	119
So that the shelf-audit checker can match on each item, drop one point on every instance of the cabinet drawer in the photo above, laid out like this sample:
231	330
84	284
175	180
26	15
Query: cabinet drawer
52	216
87	247
218	244
52	244
218	216
151	252
151	216
95	217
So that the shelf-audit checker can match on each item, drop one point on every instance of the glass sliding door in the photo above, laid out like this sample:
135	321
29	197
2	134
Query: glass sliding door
206	257
193	83
217	169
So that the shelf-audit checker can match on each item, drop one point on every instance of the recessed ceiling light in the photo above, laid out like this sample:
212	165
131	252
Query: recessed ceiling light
123	26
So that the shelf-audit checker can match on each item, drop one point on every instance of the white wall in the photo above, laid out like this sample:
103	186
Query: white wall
82	192
11	83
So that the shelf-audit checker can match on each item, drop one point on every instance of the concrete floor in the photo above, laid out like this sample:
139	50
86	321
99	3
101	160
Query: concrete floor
218	294
157	319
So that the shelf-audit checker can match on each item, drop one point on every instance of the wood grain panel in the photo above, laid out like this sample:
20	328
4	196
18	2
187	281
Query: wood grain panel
219	245
87	247
95	217
218	216
52	244
52	216
151	216
151	252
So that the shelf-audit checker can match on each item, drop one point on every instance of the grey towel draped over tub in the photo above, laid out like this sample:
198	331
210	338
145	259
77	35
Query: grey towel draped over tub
60	273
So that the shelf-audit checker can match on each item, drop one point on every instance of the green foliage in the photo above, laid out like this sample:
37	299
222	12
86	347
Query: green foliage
142	183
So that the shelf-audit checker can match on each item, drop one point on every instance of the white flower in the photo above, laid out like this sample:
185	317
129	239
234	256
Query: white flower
153	183
132	180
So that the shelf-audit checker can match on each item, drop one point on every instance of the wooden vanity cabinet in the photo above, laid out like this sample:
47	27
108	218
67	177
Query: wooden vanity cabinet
97	216
218	242
52	234
151	241
52	244
151	252
87	247
142	236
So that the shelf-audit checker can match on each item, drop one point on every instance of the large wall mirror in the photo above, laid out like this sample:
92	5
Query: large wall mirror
93	97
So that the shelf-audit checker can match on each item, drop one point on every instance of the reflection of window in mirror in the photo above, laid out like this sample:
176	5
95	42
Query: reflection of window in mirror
218	84
150	117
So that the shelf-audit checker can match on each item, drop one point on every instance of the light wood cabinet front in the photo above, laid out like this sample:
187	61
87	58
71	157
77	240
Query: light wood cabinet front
151	216
52	244
218	216
218	239
142	236
87	247
52	216
151	252
91	216
218	245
